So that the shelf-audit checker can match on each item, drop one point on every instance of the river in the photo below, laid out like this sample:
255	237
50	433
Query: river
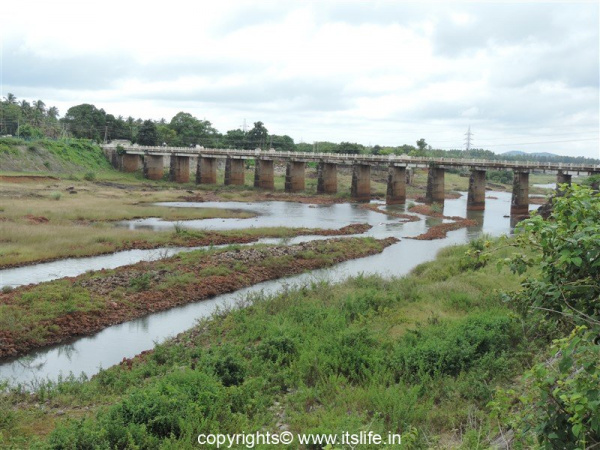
108	347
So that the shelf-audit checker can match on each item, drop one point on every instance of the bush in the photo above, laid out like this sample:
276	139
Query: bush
560	403
140	283
90	176
55	196
452	349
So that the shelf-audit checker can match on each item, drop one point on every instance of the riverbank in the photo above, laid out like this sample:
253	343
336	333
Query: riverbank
53	312
182	237
387	355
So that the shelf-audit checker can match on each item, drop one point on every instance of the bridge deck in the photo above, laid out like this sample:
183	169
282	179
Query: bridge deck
372	160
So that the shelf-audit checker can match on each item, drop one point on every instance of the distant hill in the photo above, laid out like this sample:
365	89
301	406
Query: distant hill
520	153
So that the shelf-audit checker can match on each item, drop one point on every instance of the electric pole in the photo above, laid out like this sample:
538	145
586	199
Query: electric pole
468	135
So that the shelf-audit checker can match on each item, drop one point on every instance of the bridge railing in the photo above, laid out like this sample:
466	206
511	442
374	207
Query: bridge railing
357	157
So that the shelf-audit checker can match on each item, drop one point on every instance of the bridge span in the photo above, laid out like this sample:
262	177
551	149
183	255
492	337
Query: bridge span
151	159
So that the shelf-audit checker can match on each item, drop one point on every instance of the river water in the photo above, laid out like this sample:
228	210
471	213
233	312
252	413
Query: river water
109	346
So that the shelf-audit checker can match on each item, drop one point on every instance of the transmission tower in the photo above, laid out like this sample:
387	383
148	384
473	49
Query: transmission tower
468	139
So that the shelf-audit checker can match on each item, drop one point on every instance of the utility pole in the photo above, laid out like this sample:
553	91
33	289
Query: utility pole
468	135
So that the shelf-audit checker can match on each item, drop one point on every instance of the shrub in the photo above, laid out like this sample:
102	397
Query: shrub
55	196
451	349
89	176
560	403
140	283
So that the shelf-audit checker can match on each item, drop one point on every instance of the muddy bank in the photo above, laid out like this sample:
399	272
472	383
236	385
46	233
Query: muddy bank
404	217
256	196
191	238
439	231
58	311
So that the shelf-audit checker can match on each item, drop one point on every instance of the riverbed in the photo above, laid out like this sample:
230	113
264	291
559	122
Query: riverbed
108	347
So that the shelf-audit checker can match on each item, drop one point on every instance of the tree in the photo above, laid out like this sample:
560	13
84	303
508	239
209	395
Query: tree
283	143
235	139
11	99
349	147
147	134
86	121
421	144
165	135
258	135
192	131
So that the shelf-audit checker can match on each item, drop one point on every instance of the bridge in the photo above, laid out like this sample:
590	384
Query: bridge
151	159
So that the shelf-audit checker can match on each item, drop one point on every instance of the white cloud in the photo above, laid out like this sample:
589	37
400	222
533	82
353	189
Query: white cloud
378	72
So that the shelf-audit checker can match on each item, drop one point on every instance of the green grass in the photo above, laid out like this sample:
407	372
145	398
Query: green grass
65	155
419	355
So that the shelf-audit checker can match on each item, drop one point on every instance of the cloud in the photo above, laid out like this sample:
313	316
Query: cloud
382	71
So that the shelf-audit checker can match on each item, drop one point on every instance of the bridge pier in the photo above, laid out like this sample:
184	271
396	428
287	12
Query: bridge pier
476	196
235	173
562	178
326	178
361	183
435	185
179	171
294	176
206	170
520	195
131	163
264	174
153	167
396	186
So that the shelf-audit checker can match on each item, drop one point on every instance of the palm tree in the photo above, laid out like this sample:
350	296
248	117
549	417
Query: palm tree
39	110
10	99
52	112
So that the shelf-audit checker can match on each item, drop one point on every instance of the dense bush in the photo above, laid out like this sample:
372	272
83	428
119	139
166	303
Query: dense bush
558	405
451	349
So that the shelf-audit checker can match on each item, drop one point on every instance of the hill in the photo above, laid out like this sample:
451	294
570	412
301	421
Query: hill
47	155
536	154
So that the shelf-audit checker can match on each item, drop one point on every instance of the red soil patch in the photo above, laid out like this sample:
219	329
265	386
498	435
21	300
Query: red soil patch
36	219
440	231
405	217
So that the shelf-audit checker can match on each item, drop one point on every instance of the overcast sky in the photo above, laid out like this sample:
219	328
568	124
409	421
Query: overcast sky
524	76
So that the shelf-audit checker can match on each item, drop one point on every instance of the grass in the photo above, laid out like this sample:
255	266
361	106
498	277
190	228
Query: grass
418	355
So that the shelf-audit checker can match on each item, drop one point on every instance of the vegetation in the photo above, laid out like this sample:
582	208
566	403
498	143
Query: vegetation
558	403
365	354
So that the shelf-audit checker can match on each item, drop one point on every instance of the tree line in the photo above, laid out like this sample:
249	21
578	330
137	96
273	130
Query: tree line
35	120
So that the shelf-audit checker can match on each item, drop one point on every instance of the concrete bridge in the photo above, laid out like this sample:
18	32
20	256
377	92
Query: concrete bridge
151	159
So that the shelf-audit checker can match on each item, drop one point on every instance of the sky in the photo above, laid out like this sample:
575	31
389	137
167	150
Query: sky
523	75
